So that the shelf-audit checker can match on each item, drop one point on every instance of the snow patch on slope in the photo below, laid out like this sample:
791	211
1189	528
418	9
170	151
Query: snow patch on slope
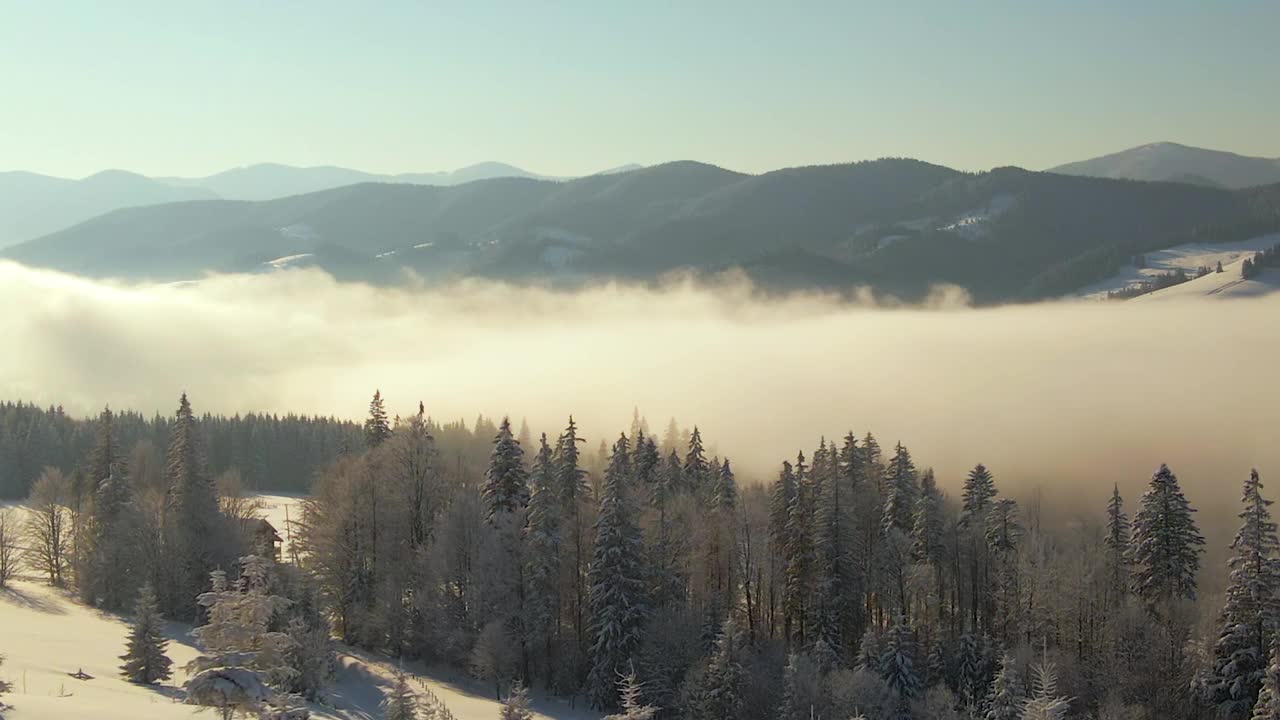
1188	258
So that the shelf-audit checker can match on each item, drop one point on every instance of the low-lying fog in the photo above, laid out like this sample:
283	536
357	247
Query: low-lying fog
1068	396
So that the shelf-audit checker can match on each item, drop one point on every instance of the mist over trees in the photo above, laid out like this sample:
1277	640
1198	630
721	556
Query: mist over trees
638	576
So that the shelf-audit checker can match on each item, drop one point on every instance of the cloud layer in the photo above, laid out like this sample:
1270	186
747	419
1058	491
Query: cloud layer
1067	396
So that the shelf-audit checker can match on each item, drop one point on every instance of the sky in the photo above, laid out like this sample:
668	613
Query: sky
568	87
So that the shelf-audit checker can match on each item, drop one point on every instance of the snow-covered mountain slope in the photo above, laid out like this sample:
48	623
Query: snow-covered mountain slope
1188	258
45	635
1227	284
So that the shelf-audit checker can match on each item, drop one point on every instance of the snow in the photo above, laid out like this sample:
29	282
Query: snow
974	223
1190	257
1223	285
45	635
288	261
889	240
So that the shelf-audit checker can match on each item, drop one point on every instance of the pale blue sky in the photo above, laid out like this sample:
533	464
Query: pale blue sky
175	87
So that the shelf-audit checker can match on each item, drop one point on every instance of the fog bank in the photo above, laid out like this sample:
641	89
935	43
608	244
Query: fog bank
1070	396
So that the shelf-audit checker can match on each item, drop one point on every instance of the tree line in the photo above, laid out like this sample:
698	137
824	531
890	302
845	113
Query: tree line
645	580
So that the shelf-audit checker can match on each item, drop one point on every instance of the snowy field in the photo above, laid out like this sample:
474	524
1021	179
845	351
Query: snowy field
1189	258
45	636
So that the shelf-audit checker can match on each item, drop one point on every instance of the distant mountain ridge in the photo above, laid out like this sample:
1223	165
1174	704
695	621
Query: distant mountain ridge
32	205
899	226
1172	162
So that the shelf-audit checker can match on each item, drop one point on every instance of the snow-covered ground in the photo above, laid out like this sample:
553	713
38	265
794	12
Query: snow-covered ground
45	635
1188	258
974	224
1224	285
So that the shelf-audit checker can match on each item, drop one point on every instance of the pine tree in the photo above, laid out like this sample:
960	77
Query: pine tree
1166	543
837	591
850	461
633	706
900	502
377	429
106	563
192	514
979	490
401	704
1117	548
543	540
1251	614
972	676
927	527
1045	702
1003	529
799	556
506	487
872	468
1006	700
720	696
697	471
516	706
617	583
725	494
145	661
898	665
1268	705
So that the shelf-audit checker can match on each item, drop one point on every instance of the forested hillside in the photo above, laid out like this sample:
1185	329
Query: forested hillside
645	577
898	226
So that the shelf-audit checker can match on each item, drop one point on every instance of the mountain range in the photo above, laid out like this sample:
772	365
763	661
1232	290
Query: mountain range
33	205
1171	162
899	226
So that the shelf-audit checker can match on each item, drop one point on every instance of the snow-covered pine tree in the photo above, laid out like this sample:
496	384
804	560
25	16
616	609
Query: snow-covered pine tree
799	557
697	472
927	534
401	703
850	463
192	515
645	462
1006	700
899	667
1251	614
618	605
575	492
1003	533
725	496
782	496
1166	543
979	490
870	649
900	500
377	428
1117	549
238	633
837	591
927	525
542	541
1045	703
972	670
516	706
720	695
633	707
506	487
801	689
872	468
1003	528
144	659
1268	705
